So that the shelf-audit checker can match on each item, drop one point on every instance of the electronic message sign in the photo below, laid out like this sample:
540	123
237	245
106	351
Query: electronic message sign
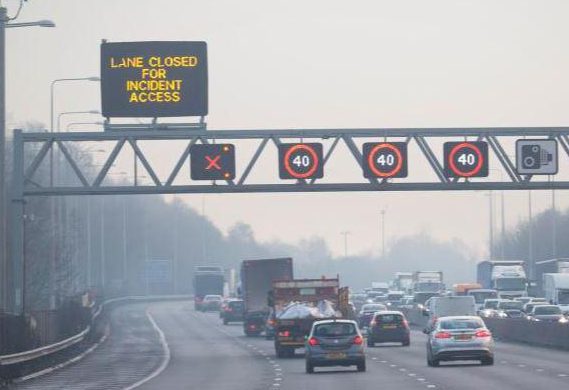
212	162
384	159
466	159
301	161
154	79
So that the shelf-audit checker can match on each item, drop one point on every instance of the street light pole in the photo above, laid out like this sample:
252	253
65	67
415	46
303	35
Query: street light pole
345	234
382	234
3	263
530	237
491	217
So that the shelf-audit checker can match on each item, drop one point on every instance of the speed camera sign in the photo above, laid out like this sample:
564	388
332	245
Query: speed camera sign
466	159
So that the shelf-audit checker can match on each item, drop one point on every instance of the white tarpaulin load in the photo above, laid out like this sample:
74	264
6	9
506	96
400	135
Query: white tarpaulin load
323	309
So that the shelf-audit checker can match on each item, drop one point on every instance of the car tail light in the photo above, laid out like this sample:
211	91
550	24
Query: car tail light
442	335
483	333
252	326
271	322
372	323
284	333
405	324
313	341
358	340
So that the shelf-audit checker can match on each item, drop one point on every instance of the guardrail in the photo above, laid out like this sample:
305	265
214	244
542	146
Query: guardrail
13	365
545	334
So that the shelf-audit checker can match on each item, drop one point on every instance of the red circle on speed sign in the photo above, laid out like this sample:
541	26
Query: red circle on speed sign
371	160
313	161
477	167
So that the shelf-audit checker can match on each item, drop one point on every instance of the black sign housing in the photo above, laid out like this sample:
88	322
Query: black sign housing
466	159
301	161
384	159
154	79
212	162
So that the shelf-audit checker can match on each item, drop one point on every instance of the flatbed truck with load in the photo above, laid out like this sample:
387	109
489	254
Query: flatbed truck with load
301	302
257	277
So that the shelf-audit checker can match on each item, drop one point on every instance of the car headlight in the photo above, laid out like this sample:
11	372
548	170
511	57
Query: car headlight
563	320
536	319
502	315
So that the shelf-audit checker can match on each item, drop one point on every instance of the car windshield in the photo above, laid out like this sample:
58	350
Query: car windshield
546	310
457	324
213	298
491	304
513	305
335	330
236	305
481	296
394	297
389	318
372	308
514	284
563	297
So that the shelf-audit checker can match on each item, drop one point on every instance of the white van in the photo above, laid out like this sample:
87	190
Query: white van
437	307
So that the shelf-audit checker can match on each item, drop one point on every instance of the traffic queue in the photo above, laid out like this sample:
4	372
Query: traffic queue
334	326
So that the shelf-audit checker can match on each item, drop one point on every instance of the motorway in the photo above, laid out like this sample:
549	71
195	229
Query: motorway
201	353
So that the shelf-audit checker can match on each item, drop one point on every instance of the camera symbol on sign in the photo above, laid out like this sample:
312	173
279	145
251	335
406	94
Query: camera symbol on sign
534	157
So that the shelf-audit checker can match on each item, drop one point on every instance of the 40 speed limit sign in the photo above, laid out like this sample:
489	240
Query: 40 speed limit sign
466	159
300	161
384	159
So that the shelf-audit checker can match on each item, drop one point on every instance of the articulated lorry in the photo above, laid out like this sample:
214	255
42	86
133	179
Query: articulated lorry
507	277
403	281
208	280
257	277
428	282
550	266
556	287
301	302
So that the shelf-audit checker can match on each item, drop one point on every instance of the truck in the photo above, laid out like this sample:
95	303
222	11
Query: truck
298	303
428	281
257	277
461	289
403	281
380	287
550	266
507	277
207	280
437	307
556	287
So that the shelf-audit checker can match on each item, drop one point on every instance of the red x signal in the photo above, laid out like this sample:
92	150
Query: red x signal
213	162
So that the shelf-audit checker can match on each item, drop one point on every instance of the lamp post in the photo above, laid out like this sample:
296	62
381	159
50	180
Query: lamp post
93	112
382	212
4	24
345	234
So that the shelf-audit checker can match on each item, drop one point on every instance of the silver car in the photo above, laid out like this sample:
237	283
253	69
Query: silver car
460	338
335	343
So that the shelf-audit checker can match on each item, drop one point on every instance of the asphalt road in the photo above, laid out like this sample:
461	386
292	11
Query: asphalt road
204	354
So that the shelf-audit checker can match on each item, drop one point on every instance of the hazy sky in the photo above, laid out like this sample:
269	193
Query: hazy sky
293	63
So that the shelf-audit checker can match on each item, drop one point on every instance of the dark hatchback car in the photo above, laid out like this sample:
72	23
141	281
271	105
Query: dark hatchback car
388	327
366	313
334	343
233	311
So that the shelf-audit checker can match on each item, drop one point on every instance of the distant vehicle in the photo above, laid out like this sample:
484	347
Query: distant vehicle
428	281
481	294
212	303
257	277
309	297
547	313
508	277
523	300
419	298
403	281
461	289
380	287
366	313
509	309
528	307
489	308
334	343
556	287
358	300
233	311
388	327
551	266
207	280
438	307
394	298
371	296
459	338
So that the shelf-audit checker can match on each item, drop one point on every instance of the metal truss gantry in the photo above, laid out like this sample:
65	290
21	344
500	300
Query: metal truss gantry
26	184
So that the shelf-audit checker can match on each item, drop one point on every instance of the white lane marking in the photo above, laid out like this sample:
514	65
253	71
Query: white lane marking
383	361
167	355
402	369
539	369
278	369
421	379
431	386
411	374
393	365
521	365
278	379
562	375
374	358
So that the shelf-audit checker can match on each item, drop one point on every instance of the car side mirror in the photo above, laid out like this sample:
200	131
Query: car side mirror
426	331
425	313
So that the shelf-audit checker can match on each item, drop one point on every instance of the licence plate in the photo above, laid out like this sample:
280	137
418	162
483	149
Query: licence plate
389	326
336	355
463	337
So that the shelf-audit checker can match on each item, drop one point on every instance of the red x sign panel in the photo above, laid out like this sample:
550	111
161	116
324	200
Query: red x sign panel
212	162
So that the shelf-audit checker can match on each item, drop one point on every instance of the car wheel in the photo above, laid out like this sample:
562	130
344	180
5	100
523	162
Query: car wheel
279	351
225	322
435	362
370	342
361	366
309	368
406	343
487	362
